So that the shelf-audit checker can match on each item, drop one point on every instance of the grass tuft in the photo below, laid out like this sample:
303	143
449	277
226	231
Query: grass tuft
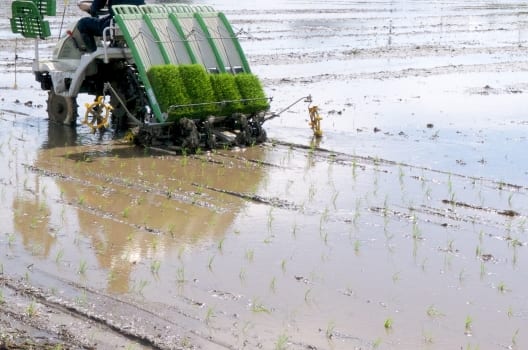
388	323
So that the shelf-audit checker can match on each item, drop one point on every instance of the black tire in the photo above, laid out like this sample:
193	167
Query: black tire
61	109
210	137
133	96
262	136
189	133
245	136
143	138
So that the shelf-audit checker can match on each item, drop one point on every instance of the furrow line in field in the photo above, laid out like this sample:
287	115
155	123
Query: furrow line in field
443	10
142	188
392	52
375	33
350	160
514	66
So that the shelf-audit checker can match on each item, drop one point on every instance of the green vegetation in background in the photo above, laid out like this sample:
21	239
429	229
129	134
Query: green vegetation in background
192	84
251	89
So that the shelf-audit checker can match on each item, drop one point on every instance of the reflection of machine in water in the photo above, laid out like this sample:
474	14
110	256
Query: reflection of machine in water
64	136
31	216
130	209
60	136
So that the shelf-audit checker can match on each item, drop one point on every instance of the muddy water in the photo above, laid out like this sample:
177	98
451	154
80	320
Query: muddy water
403	228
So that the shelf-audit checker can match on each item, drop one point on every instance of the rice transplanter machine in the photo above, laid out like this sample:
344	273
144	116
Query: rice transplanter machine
149	65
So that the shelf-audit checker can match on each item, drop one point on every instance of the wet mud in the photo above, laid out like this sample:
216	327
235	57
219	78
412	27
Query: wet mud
404	227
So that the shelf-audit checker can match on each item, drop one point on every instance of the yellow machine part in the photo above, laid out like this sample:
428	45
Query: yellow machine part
315	121
97	114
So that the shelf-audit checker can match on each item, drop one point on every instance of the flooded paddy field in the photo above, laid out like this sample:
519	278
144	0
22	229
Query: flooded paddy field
404	227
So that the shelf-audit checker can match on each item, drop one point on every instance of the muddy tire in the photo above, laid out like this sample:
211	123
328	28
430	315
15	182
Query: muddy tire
132	94
143	138
61	109
262	136
245	136
189	132
210	137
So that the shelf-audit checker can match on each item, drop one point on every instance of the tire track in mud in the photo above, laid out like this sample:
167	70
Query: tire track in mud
273	202
450	217
128	319
83	315
17	332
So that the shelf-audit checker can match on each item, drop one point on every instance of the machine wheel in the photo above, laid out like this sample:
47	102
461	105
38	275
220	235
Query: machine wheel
210	137
189	133
62	109
258	131
245	136
143	138
262	136
132	94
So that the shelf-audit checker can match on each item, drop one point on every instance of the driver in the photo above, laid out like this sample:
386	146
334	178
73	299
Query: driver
93	26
